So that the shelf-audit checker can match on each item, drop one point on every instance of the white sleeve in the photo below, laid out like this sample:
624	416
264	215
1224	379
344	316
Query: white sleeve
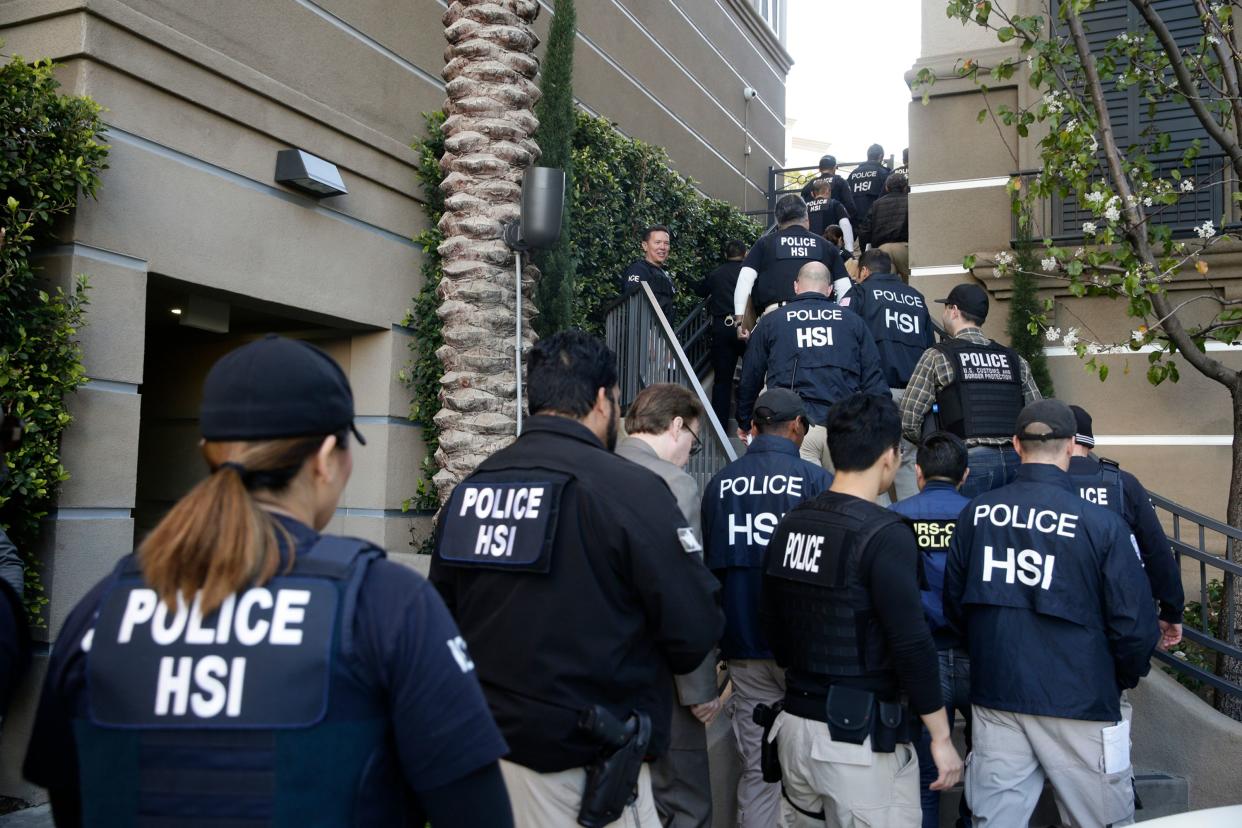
745	281
847	230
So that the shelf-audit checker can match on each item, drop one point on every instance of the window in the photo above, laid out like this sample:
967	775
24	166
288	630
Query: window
769	10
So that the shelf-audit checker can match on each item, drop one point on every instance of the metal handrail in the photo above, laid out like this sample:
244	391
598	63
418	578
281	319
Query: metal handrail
1196	548
694	334
648	352
777	173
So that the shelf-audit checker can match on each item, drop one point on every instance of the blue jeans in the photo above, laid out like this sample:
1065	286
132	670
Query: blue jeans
955	689
990	468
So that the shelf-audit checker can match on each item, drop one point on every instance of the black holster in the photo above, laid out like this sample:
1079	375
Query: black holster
765	715
612	779
855	714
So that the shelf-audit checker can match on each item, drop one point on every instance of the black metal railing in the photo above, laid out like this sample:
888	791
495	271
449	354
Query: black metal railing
695	335
780	183
1062	219
648	353
1205	541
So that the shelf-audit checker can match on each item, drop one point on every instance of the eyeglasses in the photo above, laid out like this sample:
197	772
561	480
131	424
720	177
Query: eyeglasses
697	448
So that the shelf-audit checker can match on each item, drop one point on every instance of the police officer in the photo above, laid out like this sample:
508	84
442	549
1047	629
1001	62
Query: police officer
840	607
898	319
14	634
1050	593
823	211
887	223
1103	482
977	387
815	348
656	245
839	189
741	508
940	470
663	426
866	181
718	287
567	569
774	261
244	668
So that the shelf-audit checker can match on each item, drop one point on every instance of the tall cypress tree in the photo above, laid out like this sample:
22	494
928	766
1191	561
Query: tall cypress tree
1024	304
554	295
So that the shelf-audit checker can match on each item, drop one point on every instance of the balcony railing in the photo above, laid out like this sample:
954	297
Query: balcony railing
1061	220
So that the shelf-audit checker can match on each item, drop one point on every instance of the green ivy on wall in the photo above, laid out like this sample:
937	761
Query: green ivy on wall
50	154
620	186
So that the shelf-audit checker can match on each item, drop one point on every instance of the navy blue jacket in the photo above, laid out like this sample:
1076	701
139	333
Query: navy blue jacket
1136	509
939	501
742	505
815	347
866	183
897	316
1051	596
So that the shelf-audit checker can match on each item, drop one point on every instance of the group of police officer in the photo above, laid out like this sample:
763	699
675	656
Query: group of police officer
273	674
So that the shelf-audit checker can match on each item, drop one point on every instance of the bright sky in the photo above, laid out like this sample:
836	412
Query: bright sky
848	85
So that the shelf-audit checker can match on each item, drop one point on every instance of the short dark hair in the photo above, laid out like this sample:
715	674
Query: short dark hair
775	426
655	228
833	234
790	207
656	406
943	455
877	261
821	185
896	183
860	429
566	371
734	249
875	152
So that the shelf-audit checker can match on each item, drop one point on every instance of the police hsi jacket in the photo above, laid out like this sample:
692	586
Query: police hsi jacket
597	601
1049	591
816	348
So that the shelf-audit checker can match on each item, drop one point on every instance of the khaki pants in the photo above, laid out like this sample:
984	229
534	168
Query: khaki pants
815	448
899	252
755	681
552	800
905	484
853	786
1013	754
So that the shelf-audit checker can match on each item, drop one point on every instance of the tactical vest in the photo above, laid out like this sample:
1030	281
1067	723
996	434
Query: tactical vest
814	564
255	714
985	396
787	251
1104	488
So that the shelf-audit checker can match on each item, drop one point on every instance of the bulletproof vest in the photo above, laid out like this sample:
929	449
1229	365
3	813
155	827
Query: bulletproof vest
985	396
1104	487
254	714
814	569
787	251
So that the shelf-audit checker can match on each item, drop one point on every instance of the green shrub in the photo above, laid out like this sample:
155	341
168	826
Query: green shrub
50	153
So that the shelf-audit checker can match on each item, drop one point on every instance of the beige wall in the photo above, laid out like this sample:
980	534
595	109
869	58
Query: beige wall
959	206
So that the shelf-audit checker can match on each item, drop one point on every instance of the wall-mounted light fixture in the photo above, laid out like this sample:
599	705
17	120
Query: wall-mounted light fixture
308	173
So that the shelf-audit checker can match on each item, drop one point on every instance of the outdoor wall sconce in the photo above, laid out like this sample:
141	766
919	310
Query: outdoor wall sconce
314	176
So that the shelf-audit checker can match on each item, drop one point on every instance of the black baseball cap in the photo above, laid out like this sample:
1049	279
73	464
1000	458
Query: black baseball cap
827	161
779	405
1083	435
274	388
1054	416
969	298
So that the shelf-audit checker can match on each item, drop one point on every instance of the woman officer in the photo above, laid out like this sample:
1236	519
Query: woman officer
242	669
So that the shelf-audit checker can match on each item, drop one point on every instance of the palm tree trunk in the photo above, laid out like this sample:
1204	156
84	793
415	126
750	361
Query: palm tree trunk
491	91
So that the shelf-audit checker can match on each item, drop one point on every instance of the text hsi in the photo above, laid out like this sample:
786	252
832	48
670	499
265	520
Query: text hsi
218	684
497	540
799	245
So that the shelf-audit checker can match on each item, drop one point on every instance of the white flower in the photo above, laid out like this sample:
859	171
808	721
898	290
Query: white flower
1094	348
1147	202
1052	334
1206	230
1138	336
1071	338
1095	197
1188	185
1049	264
1070	126
1112	213
1213	39
1004	259
1080	252
1088	228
